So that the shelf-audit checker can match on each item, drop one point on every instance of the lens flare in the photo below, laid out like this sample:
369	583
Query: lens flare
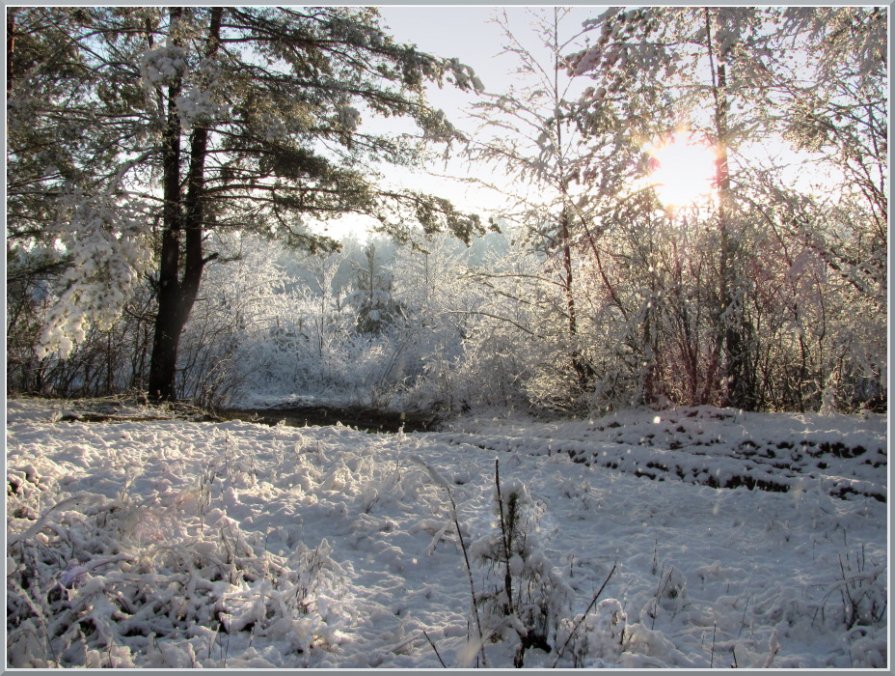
684	170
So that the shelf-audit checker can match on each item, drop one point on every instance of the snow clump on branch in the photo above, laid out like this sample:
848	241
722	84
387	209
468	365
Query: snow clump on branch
109	255
163	66
199	104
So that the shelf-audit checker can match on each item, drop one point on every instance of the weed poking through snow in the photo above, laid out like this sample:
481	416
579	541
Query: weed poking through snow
529	596
861	589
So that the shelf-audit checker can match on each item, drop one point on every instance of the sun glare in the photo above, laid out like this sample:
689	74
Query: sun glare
684	171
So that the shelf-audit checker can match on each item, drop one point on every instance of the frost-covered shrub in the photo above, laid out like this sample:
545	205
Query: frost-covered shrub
238	301
526	597
108	255
108	361
596	636
161	582
492	367
859	597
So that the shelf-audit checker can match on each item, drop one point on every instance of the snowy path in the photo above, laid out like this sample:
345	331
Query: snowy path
240	545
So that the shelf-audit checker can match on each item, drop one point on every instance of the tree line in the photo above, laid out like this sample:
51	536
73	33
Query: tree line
149	148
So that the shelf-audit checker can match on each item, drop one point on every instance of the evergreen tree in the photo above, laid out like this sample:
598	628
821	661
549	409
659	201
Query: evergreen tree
145	129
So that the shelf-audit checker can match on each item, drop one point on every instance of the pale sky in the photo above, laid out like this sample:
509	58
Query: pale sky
469	34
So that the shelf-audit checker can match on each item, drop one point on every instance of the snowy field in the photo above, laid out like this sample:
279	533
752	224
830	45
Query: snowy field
715	540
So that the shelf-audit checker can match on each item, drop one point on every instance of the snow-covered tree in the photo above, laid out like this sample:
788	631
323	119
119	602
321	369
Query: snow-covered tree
696	59
762	86
527	132
372	295
193	119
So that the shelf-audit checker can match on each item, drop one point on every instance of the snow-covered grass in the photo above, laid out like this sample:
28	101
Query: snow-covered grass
167	543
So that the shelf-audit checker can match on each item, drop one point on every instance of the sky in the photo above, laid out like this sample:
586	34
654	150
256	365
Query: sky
470	34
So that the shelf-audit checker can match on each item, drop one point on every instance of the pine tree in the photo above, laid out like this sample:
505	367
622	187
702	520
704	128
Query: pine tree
164	125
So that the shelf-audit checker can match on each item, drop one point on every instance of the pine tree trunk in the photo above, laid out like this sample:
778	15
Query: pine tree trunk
10	46
176	292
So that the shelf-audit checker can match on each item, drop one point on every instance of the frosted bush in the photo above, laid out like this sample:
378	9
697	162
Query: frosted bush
527	596
599	635
109	254
859	597
166	574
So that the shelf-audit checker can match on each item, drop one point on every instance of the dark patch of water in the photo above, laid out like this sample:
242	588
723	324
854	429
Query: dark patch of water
366	419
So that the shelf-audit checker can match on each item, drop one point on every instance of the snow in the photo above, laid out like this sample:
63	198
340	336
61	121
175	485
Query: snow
163	65
109	257
166	543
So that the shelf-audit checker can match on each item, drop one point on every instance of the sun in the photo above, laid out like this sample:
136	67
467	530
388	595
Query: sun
684	172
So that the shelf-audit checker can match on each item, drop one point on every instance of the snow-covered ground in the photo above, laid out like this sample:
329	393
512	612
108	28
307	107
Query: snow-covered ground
722	540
